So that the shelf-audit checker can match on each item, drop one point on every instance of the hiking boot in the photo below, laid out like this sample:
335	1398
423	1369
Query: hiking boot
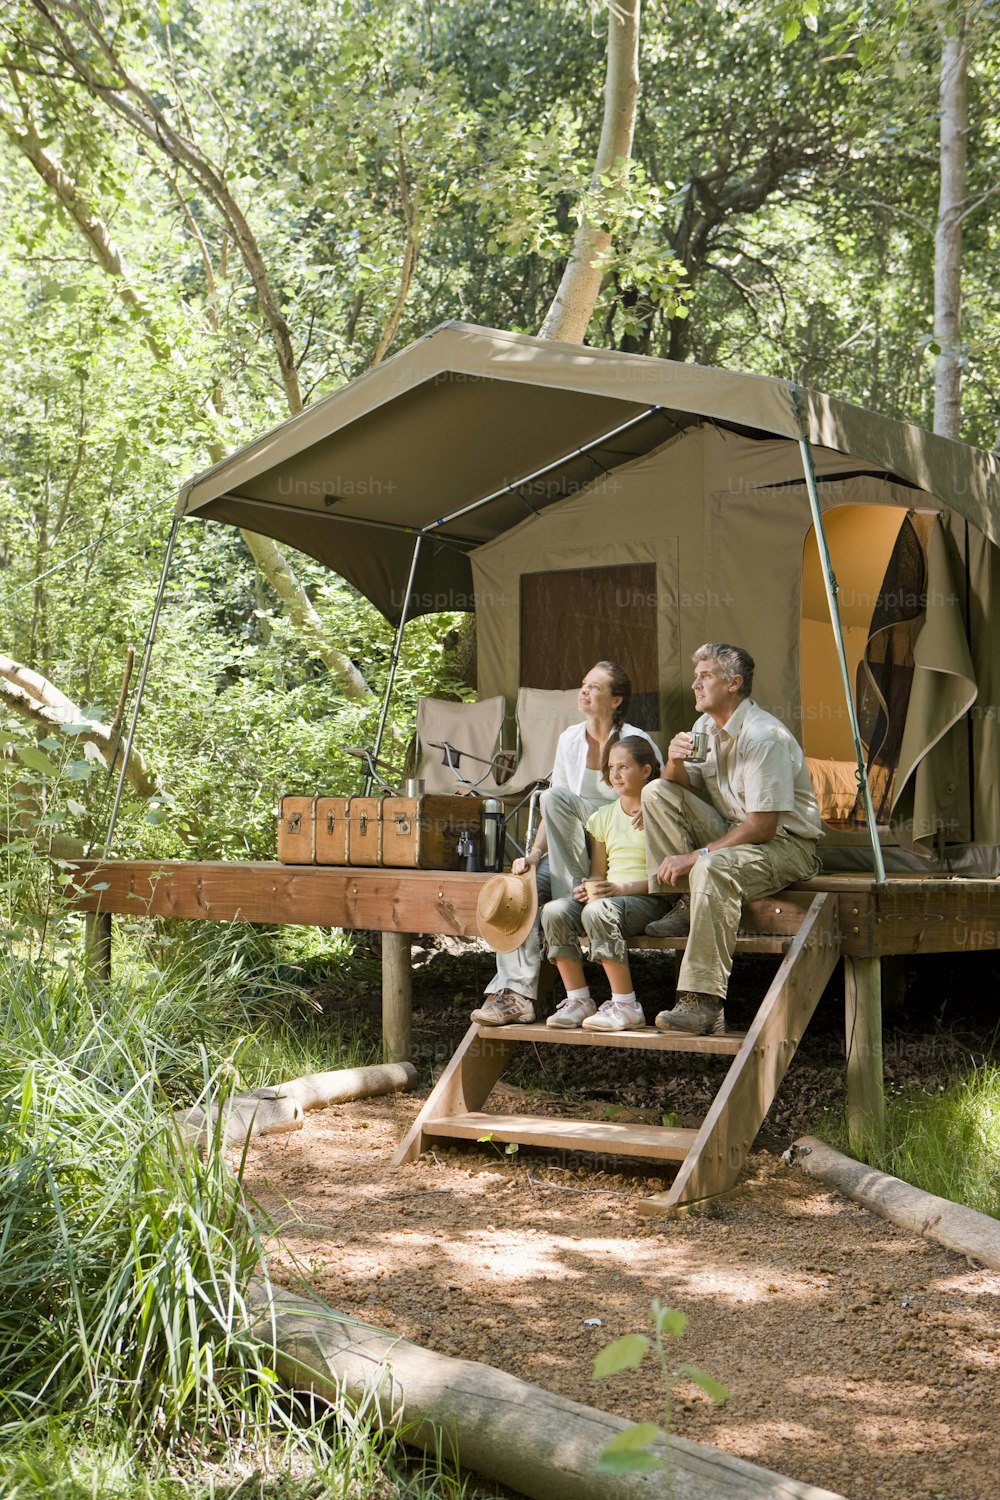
616	1015
568	1014
698	1015
505	1008
677	922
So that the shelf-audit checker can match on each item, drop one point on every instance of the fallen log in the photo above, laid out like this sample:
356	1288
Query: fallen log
539	1444
950	1224
269	1111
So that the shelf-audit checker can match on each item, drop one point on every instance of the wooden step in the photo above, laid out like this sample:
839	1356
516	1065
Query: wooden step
657	1142
747	942
647	1037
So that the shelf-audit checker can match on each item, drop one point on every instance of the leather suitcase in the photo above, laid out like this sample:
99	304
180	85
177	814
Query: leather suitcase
297	831
422	833
364	831
331	830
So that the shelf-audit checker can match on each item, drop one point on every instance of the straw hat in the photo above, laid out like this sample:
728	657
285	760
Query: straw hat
506	910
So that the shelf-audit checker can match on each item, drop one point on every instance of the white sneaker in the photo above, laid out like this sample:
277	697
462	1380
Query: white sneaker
616	1015
568	1014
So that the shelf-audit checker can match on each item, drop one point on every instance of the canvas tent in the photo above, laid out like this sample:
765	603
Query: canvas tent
589	503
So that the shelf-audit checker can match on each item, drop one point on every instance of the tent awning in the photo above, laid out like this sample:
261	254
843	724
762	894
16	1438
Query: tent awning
468	413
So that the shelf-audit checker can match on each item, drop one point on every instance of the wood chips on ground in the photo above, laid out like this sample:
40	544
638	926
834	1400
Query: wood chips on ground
857	1357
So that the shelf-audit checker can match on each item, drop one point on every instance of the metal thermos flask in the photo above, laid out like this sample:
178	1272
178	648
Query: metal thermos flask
492	833
466	851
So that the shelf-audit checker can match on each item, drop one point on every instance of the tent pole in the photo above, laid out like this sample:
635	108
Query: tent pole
394	658
512	487
832	589
151	636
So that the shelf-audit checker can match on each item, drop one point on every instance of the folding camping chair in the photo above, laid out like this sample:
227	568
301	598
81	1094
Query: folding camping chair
542	715
458	743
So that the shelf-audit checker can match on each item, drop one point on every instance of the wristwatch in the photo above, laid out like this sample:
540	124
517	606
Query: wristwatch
706	850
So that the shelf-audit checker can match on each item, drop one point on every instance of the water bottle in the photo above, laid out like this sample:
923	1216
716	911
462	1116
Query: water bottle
466	851
492	833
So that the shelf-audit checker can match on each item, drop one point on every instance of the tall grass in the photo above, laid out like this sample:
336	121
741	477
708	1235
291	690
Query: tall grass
124	1256
946	1141
127	1341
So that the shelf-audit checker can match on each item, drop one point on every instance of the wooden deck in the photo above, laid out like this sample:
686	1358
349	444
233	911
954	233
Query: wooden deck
906	915
911	914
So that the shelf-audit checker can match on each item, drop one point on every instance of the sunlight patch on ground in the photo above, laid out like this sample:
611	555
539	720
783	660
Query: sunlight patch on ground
753	1439
674	1272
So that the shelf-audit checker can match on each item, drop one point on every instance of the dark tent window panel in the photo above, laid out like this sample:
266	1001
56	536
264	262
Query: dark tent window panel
572	619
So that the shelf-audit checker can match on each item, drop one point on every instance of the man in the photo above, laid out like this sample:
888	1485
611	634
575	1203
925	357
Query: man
740	824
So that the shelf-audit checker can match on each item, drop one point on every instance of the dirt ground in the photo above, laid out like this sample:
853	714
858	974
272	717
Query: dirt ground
857	1357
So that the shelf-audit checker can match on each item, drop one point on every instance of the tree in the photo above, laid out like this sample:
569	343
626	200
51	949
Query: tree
93	59
952	207
572	306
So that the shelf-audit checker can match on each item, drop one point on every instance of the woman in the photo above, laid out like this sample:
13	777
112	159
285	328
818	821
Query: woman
559	854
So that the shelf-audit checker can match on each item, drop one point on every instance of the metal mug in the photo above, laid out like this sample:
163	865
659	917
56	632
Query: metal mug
699	747
414	786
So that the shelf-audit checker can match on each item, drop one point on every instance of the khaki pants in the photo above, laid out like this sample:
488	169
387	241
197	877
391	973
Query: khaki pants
677	821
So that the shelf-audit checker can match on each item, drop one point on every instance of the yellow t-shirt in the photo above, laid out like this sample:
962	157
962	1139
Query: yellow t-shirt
626	845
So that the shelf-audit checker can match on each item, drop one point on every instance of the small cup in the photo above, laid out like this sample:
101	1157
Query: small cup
591	887
699	747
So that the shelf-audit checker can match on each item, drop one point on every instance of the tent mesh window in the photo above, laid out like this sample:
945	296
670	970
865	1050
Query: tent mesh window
574	618
885	672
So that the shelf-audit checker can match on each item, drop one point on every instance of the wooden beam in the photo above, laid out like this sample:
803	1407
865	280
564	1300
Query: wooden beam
863	1042
911	914
727	1133
306	895
397	997
97	947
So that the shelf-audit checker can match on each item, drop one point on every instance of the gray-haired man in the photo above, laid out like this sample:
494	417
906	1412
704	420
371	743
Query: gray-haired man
740	824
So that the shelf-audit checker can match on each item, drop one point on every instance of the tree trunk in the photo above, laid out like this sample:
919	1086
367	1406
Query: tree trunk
573	304
954	136
34	698
270	1111
530	1440
952	1224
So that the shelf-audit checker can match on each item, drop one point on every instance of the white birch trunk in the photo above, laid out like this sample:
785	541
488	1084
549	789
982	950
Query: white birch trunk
573	304
954	135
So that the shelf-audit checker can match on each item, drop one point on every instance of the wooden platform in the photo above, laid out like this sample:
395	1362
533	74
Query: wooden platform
908	914
905	915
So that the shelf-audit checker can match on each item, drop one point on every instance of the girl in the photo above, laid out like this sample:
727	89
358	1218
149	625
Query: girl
612	905
558	855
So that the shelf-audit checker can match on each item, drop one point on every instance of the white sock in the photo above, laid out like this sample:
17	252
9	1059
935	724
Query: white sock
628	999
583	994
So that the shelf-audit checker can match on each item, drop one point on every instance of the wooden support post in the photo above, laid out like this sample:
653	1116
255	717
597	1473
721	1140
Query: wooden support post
863	1039
97	947
397	997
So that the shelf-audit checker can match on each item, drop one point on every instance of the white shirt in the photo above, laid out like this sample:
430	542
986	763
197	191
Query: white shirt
571	758
756	765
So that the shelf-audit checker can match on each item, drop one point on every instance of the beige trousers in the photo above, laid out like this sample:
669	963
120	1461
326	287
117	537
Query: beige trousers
678	821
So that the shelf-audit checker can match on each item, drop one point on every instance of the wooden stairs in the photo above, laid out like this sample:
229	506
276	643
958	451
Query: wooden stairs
802	927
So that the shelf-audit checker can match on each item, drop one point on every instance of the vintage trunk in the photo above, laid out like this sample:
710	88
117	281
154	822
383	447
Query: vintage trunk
422	833
364	832
297	831
331	830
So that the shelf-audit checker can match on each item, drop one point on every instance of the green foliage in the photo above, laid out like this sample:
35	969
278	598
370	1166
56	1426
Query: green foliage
946	1142
629	1452
125	1257
132	1362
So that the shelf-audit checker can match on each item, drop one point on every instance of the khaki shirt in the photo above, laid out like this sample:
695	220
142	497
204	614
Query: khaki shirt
756	765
